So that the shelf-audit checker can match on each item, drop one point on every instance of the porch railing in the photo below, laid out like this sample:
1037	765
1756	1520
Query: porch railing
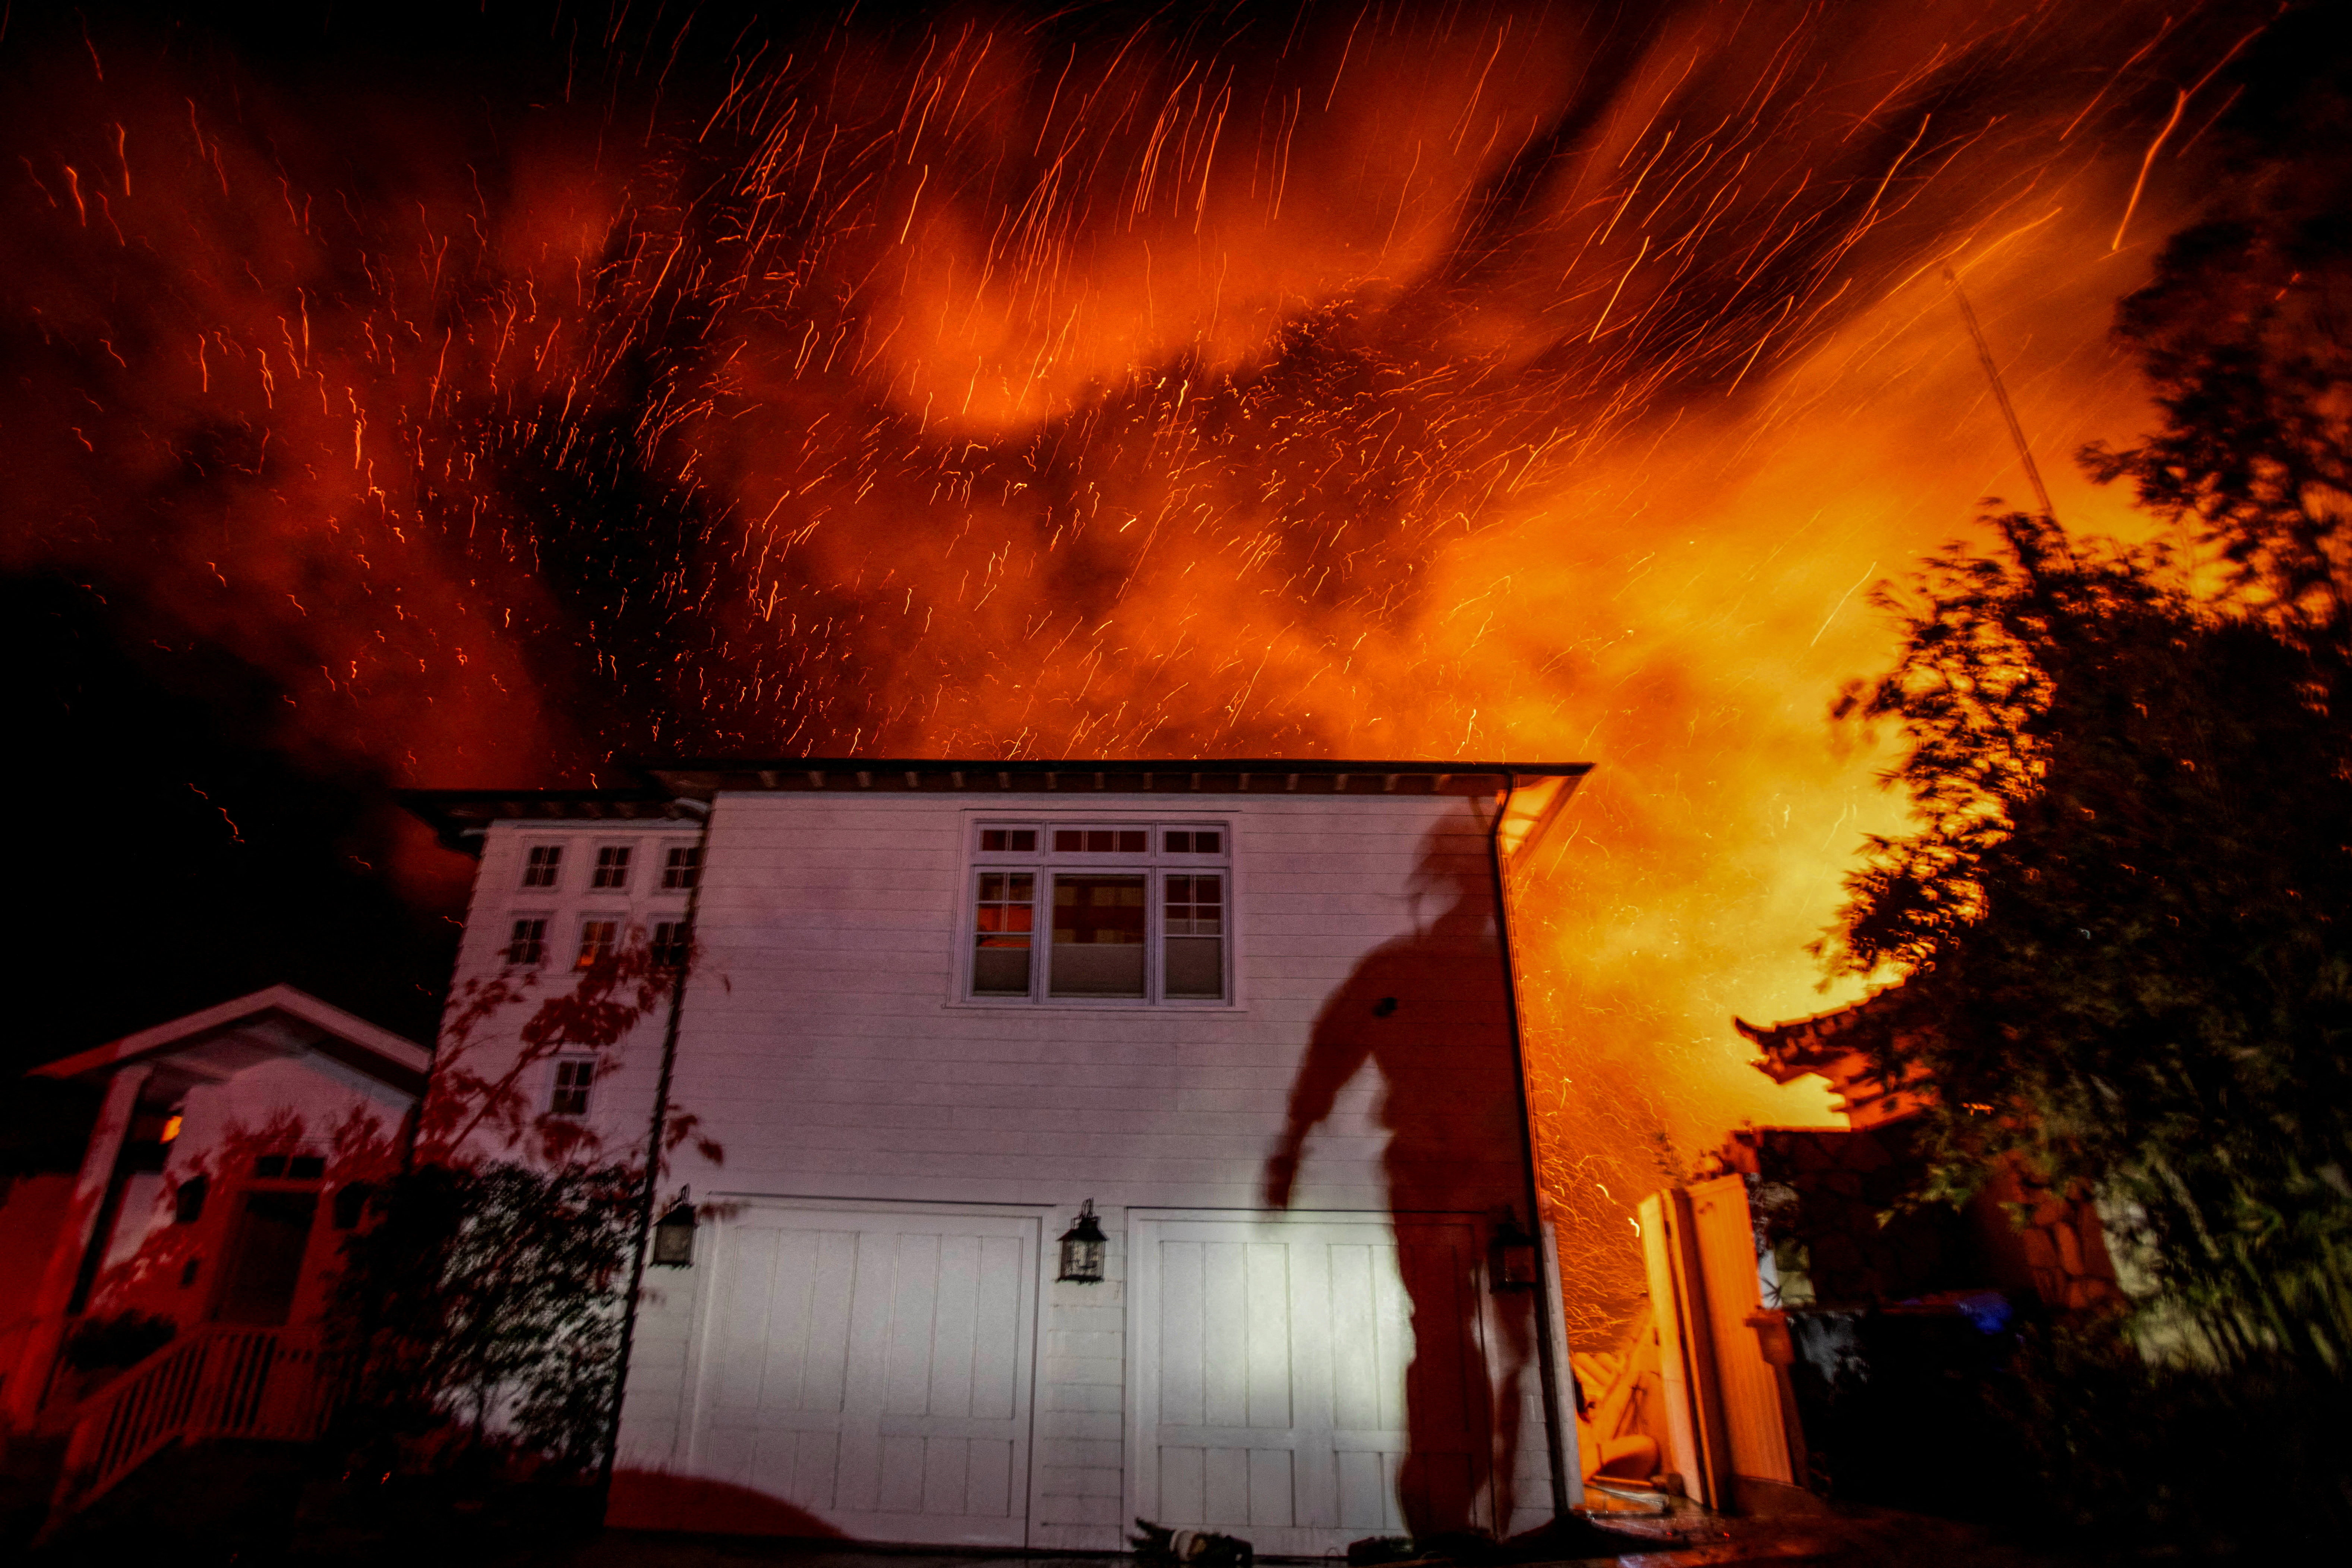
217	1381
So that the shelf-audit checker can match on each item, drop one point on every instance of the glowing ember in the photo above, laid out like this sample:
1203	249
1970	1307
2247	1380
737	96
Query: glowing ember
1404	383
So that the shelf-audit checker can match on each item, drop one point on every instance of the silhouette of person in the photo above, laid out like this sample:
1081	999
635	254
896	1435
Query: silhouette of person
1430	1011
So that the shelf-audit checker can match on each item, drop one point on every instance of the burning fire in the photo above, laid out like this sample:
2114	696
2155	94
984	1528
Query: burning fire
1402	382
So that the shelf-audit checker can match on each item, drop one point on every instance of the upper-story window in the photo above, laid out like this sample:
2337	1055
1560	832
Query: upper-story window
541	862
611	867
1088	911
599	940
527	944
682	866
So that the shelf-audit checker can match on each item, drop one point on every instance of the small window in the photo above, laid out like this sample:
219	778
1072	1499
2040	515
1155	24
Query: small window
611	867
270	1167
1008	841
1194	934
527	947
673	943
682	867
1195	841
350	1204
188	1203
573	1075
598	941
1004	934
1101	841
540	865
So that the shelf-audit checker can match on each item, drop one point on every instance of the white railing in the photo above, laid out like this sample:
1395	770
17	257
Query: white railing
214	1380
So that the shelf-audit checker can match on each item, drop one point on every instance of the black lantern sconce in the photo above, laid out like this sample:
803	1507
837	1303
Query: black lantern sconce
1082	1249
1513	1261
674	1234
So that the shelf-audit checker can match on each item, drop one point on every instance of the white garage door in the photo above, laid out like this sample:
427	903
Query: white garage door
1267	1384
872	1368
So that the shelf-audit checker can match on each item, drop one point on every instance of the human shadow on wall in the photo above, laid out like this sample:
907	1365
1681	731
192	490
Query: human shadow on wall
1431	1012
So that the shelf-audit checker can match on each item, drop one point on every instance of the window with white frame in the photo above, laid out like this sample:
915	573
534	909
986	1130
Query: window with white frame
574	1078
1135	913
527	943
599	940
682	866
540	865
672	944
611	867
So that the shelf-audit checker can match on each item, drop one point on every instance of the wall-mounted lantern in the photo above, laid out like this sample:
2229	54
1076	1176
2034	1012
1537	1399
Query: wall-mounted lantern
674	1234
1513	1262
1082	1249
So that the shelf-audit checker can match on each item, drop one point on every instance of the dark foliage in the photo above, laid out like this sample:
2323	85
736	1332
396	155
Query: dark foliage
2123	915
2125	918
124	1339
2174	1459
482	1311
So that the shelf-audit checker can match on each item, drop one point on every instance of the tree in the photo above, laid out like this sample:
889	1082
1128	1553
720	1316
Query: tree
481	1314
2122	916
2125	918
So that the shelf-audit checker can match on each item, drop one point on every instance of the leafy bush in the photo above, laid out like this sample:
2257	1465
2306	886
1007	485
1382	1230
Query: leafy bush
481	1314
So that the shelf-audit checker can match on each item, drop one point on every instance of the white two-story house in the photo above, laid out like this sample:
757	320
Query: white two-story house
1253	1023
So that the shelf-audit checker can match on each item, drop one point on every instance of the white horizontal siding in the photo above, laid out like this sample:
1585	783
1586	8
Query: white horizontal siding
823	1044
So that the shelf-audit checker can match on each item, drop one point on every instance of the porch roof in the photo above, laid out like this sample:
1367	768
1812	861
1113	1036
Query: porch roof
282	1021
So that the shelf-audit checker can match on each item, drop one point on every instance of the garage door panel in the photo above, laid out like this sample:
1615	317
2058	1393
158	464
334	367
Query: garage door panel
1367	1489
1267	1352
871	1368
1269	1376
1183	1359
916	1306
996	1322
1225	1319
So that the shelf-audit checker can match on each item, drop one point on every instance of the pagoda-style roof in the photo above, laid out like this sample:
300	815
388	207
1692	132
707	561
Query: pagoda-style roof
1847	1045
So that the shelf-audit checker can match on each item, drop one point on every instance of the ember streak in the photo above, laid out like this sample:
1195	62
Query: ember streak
522	390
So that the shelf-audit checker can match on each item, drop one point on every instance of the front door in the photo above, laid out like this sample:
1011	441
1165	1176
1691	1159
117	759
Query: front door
871	1369
264	1266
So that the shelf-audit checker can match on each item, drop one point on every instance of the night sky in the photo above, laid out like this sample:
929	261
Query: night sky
471	395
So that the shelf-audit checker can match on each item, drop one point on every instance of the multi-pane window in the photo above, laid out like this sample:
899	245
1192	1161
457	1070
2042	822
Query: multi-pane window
598	941
1129	913
1099	935
1100	840
1195	928
1002	933
673	943
527	944
611	867
682	866
541	864
573	1076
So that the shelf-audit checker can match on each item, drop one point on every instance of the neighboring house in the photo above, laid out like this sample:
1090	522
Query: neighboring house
1256	1019
2016	1234
228	1151
1814	1327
